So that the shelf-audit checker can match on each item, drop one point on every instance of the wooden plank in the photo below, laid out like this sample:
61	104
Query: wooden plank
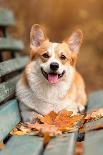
62	145
6	17
23	145
95	100
10	44
12	65
7	89
93	144
9	117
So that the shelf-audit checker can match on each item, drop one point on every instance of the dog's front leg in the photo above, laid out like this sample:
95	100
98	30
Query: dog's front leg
27	103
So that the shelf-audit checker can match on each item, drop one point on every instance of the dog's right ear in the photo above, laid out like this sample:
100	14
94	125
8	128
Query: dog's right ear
37	36
74	41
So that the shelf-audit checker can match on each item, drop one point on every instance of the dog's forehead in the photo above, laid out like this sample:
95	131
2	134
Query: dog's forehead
53	47
56	47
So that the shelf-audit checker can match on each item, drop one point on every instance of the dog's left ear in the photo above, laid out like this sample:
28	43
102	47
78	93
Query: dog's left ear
37	35
74	41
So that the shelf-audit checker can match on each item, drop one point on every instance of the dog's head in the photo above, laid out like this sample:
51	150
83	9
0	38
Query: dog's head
54	59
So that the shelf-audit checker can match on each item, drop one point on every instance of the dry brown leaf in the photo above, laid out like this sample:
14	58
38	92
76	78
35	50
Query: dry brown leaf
45	128
66	122
49	119
94	115
65	113
54	124
47	138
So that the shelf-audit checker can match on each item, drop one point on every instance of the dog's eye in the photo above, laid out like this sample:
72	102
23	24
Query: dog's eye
62	57
45	55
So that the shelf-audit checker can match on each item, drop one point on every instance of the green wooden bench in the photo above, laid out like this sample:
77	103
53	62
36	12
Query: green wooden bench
8	44
65	144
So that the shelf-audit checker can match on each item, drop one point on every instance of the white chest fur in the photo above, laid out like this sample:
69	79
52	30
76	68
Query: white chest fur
40	104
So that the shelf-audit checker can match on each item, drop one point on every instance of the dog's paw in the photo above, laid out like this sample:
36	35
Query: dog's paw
81	108
74	110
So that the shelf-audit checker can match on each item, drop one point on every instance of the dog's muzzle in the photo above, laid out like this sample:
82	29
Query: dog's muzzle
52	77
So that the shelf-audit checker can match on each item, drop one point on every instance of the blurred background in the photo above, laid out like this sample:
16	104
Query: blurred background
61	17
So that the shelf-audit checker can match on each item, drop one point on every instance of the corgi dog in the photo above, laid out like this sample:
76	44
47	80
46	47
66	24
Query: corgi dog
50	81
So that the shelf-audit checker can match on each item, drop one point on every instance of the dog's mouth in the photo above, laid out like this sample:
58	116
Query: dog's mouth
52	77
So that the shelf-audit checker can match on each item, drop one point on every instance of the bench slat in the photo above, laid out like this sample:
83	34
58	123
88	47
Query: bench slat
6	17
93	144
9	117
62	145
23	145
95	100
10	44
12	65
7	89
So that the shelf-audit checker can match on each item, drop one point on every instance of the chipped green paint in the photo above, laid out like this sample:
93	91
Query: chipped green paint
8	88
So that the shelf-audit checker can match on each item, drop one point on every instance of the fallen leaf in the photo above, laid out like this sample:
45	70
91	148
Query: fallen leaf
54	124
49	119
94	115
66	122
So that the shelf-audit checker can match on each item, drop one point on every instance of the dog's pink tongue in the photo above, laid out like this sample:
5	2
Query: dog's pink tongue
52	78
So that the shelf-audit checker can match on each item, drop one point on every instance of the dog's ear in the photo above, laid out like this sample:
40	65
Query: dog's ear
74	41
37	35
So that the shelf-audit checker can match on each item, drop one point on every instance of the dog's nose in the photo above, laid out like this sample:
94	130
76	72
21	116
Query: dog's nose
54	66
